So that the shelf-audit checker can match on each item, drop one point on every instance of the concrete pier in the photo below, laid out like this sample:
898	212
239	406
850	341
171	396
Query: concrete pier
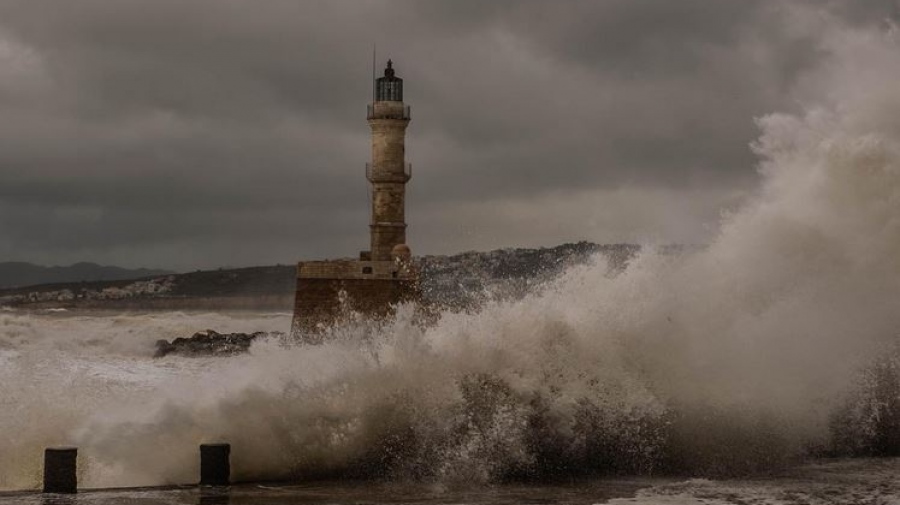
214	496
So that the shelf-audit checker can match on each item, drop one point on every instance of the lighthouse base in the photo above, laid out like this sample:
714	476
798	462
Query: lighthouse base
328	291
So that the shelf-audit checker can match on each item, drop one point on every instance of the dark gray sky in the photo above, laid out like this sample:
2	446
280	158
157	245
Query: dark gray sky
190	134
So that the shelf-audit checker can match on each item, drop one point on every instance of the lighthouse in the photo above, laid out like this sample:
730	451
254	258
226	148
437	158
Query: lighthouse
388	172
384	275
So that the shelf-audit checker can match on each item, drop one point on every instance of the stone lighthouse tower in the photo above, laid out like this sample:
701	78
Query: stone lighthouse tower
384	275
388	172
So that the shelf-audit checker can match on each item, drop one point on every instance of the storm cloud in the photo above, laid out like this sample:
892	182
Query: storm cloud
203	133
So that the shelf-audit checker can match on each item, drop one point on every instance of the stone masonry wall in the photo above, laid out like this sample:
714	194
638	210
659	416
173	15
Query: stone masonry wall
327	290
320	302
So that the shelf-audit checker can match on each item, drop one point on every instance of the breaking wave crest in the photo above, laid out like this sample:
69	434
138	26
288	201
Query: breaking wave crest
733	358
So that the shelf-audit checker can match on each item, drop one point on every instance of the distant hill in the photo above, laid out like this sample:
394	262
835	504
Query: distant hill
18	274
459	281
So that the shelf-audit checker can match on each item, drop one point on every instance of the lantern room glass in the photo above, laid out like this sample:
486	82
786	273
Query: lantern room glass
390	87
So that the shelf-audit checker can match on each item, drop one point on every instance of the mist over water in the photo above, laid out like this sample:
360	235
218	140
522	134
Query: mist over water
727	359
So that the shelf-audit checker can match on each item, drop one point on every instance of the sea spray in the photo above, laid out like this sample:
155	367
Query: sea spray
59	370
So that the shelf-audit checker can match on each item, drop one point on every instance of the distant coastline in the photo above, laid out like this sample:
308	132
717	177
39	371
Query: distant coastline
455	281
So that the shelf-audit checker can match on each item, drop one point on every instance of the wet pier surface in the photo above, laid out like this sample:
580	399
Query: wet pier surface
831	482
340	493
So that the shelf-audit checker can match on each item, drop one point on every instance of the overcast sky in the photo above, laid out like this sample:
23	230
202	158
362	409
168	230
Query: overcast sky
192	134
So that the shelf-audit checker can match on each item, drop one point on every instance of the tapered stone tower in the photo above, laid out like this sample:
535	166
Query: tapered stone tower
384	275
388	172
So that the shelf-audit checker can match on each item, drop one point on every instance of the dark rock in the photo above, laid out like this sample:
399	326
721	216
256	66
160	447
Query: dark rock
210	343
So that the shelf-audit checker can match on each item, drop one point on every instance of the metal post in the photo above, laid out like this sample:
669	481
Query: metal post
60	464
215	464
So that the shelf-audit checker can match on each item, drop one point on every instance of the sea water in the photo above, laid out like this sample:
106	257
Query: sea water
290	412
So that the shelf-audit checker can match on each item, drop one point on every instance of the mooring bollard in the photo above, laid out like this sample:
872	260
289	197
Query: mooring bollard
215	464
60	464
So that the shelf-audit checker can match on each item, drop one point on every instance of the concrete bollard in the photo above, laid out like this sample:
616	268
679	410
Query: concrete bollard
60	464
215	464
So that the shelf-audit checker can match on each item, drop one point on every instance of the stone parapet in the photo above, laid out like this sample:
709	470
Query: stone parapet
353	269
